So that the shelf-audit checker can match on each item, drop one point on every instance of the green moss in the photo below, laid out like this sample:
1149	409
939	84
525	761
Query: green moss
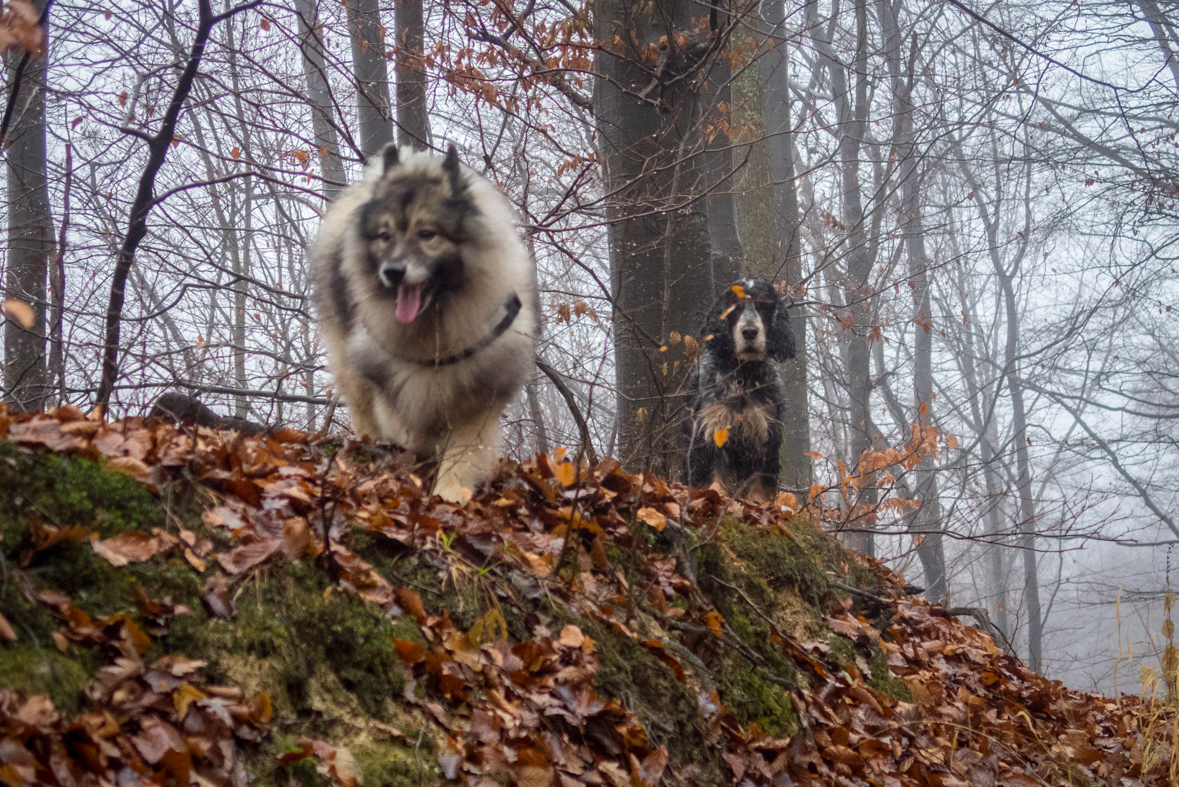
843	650
631	674
288	627
31	622
395	765
885	683
67	490
718	578
753	699
780	560
33	670
300	772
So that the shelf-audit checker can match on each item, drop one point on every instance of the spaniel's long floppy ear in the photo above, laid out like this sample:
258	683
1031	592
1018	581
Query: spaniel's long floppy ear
716	336
780	342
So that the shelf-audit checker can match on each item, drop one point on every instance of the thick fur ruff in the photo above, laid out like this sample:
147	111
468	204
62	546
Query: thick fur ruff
736	388
418	269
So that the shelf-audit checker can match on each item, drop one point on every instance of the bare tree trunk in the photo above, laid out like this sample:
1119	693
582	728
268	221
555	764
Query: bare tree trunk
982	411
796	427
1164	35
319	96
372	76
660	256
413	120
927	519
158	146
1027	502
240	250
30	235
857	290
57	275
532	387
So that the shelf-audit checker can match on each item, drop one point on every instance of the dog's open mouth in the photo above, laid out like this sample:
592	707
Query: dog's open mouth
409	302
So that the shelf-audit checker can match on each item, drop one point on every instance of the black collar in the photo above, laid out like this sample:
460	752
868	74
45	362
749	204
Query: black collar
512	305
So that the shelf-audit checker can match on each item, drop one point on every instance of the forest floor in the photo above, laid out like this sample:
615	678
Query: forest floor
172	613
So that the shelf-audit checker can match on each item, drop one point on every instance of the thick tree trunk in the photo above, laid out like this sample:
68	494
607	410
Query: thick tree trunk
319	97
774	68
372	76
659	240
30	236
413	121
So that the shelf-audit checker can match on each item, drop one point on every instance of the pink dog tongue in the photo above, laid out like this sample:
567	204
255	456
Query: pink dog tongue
409	300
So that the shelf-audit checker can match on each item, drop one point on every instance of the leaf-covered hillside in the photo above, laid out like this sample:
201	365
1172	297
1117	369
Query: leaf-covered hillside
173	614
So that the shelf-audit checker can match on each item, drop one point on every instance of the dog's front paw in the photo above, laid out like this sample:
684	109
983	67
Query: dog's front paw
452	490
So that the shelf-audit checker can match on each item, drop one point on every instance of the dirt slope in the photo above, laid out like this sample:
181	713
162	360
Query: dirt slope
172	613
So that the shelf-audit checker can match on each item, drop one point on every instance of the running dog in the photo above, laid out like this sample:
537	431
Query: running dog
426	298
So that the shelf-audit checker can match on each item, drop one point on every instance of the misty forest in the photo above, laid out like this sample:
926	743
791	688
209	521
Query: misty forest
972	209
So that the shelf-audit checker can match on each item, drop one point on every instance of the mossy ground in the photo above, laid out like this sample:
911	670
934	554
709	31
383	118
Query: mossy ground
327	660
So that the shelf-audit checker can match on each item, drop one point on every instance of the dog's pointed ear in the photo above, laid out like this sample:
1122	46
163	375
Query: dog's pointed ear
450	165
781	339
390	156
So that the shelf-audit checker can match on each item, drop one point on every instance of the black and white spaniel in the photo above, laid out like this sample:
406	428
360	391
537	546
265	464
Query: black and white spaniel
735	392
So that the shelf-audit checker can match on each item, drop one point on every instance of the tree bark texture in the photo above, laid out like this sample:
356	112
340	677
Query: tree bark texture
774	70
660	259
413	120
319	97
372	76
31	243
716	106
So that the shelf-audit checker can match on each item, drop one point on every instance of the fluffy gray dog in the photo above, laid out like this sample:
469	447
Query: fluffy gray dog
426	297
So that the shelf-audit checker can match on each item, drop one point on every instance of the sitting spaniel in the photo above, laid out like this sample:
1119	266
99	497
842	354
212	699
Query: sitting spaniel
735	393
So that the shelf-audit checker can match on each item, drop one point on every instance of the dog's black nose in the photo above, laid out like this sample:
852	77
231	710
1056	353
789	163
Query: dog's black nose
391	274
750	334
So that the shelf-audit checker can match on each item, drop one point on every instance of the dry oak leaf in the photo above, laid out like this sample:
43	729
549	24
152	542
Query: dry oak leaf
157	740
412	603
132	546
247	556
130	466
6	630
652	517
216	597
571	637
566	474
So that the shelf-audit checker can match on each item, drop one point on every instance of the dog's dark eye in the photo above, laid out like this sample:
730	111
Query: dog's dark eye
426	234
385	237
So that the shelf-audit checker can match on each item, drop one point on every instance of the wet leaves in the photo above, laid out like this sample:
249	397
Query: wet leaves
940	704
156	720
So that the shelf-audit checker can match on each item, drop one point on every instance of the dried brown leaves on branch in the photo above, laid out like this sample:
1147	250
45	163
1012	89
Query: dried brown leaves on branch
19	27
525	709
